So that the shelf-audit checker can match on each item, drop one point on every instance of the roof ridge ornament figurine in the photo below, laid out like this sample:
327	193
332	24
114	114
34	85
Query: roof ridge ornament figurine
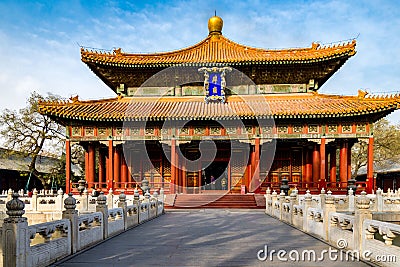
215	83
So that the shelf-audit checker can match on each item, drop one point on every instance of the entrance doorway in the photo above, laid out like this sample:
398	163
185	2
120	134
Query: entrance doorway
215	176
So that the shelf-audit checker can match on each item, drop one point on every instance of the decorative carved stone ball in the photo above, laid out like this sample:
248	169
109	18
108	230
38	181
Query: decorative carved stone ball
329	198
147	195
136	194
101	199
308	196
70	202
363	201
122	197
155	194
15	207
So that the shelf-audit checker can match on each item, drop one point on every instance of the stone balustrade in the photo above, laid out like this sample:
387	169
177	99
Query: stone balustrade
347	219
379	239
43	206
45	243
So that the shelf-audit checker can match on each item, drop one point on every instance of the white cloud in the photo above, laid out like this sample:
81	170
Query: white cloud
45	56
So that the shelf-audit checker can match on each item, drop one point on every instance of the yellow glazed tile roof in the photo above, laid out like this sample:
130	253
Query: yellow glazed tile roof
302	105
218	49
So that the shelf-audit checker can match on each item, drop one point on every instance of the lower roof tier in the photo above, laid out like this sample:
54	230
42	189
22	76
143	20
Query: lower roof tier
282	106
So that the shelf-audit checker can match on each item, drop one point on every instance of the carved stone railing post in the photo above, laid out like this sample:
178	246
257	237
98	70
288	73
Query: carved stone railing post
379	200
85	201
293	201
122	204
307	205
15	237
329	208
362	213
267	199
71	214
322	197
9	194
162	194
59	200
34	201
281	201
110	199
351	198
103	208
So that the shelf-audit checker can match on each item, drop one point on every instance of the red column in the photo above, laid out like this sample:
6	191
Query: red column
117	167
110	165
67	166
124	172
348	161
130	169
87	164
101	168
333	165
316	164
322	178
173	166
184	178
370	165
308	167
256	175
343	163
92	168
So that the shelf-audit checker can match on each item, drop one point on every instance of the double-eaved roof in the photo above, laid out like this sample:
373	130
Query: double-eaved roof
265	67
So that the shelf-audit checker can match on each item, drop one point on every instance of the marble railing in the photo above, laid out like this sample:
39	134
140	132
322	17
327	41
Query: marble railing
356	231
45	243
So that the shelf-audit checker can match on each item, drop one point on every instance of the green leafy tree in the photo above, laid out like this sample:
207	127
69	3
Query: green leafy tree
386	147
31	133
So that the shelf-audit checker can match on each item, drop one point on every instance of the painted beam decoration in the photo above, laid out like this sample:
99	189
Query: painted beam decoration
214	83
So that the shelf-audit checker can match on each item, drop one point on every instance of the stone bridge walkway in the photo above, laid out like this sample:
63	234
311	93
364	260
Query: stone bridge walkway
205	238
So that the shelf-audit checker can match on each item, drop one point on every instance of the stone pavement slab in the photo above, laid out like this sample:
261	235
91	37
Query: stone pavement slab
206	238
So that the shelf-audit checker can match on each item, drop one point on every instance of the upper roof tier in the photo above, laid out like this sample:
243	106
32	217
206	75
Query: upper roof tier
316	62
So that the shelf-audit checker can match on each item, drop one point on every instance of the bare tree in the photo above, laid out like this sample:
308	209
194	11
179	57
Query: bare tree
386	146
31	133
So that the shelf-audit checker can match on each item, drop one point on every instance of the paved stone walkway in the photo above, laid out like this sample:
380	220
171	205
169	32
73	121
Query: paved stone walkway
204	238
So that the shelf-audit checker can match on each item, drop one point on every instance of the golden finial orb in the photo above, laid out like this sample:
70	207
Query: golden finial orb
215	24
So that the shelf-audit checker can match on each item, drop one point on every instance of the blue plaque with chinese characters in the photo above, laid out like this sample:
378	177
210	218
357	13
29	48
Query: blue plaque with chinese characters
214	83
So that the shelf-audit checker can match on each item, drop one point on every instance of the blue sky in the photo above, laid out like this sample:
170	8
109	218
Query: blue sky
39	40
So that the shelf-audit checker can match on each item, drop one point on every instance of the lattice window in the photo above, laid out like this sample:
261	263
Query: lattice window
332	128
215	130
297	128
266	129
135	131
282	129
76	131
164	130
199	130
285	165
102	131
184	130
362	127
166	167
296	162
89	131
149	131
231	130
313	128
346	128
118	131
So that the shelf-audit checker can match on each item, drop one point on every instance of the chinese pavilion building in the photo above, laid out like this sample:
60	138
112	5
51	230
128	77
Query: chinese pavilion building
246	101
